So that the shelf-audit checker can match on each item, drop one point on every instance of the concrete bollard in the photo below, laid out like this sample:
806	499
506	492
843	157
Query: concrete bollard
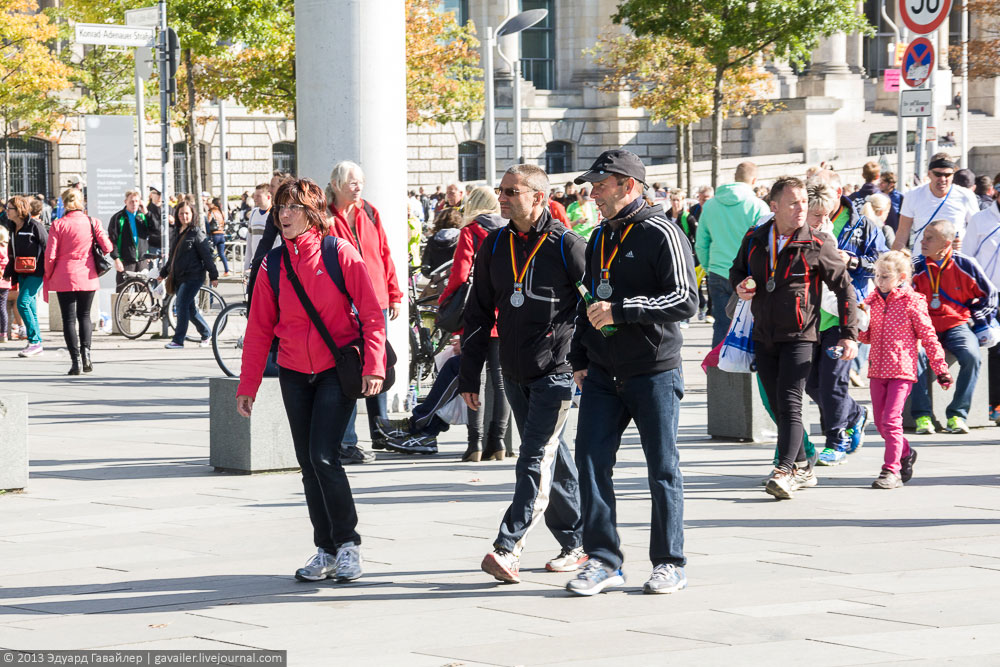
735	409
55	315
13	442
979	410
261	443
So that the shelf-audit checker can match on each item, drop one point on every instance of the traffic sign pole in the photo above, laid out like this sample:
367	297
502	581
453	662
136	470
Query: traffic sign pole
164	150
932	143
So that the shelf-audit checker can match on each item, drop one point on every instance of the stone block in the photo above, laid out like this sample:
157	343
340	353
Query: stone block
13	442
262	153
240	126
442	140
240	153
735	409
979	411
69	151
418	139
262	443
412	152
55	315
255	140
430	153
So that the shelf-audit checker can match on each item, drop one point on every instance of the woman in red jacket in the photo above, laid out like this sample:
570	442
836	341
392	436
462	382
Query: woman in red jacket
70	273
359	223
317	409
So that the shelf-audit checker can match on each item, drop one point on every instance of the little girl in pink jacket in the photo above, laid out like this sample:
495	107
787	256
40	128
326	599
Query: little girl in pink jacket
899	319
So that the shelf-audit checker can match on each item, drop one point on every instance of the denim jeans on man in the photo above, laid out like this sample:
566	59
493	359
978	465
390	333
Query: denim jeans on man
961	342
317	414
606	407
377	407
546	479
187	310
719	291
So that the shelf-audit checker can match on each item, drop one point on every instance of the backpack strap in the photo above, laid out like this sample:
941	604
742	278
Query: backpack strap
369	210
274	269
330	249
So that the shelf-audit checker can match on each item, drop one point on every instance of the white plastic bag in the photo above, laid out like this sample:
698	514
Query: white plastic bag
454	411
737	352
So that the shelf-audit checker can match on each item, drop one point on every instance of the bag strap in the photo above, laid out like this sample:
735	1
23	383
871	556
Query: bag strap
934	214
309	307
93	232
173	255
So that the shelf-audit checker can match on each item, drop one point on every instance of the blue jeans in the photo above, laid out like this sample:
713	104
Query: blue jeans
719	291
827	386
27	305
317	414
219	241
377	407
187	310
606	408
545	482
961	342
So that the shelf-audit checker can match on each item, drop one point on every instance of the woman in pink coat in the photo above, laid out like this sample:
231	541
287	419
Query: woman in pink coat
70	273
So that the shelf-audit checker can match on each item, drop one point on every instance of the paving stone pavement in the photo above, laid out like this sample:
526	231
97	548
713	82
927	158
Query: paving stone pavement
126	538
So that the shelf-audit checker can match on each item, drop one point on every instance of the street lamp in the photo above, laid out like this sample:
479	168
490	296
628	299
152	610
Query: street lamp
510	26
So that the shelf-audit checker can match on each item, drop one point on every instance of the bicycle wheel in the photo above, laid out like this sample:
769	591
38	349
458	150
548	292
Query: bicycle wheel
135	309
227	338
208	302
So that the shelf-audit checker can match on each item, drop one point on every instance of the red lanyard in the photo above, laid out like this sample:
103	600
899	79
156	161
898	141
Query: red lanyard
520	274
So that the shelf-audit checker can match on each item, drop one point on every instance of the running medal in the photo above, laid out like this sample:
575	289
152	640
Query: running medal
604	290
935	284
769	286
517	298
935	302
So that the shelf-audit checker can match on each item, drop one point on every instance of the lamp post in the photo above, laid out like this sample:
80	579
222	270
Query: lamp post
510	26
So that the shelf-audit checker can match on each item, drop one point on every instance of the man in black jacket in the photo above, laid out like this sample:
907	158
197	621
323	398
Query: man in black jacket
129	230
524	282
626	359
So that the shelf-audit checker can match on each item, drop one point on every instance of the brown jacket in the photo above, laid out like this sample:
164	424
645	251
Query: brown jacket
791	312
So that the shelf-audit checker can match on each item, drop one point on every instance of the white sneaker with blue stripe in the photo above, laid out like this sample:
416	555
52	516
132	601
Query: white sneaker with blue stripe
594	578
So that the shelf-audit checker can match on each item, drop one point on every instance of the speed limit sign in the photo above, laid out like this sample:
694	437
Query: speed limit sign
924	16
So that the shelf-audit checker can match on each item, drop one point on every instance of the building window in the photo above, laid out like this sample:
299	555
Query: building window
471	161
181	181
460	7
29	167
284	157
538	47
558	157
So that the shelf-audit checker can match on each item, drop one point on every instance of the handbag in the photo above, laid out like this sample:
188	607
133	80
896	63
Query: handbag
737	352
102	262
452	309
347	357
25	264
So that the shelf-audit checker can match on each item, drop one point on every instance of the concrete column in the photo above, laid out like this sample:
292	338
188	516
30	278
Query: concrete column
941	48
351	67
829	75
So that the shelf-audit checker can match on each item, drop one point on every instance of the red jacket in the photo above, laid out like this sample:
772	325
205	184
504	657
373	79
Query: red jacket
963	289
69	262
897	323
558	211
374	249
300	346
470	239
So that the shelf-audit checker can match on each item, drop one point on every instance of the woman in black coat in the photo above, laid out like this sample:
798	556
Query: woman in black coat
190	257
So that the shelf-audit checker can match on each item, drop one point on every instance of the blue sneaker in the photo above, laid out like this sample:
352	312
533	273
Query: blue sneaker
856	433
594	578
832	456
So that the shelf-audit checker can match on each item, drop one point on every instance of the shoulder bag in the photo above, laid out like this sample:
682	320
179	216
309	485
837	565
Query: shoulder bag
102	262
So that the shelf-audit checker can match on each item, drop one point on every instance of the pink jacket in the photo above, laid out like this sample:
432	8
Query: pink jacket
4	284
897	323
69	264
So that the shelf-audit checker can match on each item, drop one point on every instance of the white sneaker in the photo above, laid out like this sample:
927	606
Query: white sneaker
568	560
804	478
780	484
503	565
205	342
319	567
348	562
32	350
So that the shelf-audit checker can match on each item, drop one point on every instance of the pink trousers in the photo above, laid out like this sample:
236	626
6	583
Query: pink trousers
888	399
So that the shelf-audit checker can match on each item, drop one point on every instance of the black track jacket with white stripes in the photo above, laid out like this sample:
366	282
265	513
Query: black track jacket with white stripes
653	282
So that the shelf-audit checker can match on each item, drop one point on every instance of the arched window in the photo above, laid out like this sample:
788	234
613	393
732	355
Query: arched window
284	156
471	161
558	157
29	167
181	183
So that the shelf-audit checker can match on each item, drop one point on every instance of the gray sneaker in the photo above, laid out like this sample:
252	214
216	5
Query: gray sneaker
318	568
804	478
348	562
780	484
352	454
594	578
887	480
392	428
666	579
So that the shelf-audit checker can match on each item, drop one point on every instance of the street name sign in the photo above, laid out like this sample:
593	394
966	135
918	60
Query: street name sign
113	35
915	103
148	17
924	16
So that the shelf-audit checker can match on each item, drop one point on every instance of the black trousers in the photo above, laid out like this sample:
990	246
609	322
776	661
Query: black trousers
993	360
75	309
783	370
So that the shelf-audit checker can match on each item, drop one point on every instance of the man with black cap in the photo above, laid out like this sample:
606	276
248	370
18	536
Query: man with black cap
626	358
937	199
153	212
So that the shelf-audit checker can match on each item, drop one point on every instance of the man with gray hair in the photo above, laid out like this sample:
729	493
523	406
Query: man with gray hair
524	284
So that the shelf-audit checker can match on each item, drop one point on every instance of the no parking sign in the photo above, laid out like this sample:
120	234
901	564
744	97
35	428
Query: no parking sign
918	62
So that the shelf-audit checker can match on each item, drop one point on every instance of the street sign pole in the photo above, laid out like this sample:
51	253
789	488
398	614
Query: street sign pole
140	118
965	84
900	121
490	130
164	149
933	142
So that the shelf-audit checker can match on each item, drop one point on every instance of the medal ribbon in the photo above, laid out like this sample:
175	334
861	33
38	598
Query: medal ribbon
606	265
519	275
774	254
930	277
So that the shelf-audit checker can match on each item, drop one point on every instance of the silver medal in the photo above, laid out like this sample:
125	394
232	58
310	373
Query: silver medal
770	285
935	302
604	290
517	299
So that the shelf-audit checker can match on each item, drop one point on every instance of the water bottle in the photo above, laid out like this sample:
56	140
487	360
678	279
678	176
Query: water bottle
411	397
607	330
835	351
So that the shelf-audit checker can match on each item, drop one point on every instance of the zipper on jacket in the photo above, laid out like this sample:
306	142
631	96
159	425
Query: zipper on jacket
798	312
312	366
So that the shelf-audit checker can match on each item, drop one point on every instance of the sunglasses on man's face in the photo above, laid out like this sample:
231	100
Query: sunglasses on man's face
942	174
510	192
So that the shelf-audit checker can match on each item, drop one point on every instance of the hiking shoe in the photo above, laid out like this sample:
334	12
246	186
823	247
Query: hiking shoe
393	428
666	579
348	562
355	454
856	433
319	567
906	466
956	425
832	456
887	479
412	444
503	565
925	426
804	477
594	578
568	560
780	484
32	350
174	346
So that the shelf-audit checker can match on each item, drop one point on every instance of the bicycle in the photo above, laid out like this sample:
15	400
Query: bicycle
426	339
228	333
143	300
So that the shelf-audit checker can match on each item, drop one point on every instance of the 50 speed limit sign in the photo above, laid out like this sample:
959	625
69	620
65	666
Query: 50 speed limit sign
924	16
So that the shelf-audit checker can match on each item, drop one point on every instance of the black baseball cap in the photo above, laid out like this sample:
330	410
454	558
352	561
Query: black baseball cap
617	161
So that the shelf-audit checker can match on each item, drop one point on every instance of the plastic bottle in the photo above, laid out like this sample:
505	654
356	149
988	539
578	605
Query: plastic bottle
606	330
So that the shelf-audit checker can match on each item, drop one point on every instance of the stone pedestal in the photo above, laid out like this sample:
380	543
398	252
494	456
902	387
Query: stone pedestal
735	409
13	442
978	411
55	314
262	443
830	75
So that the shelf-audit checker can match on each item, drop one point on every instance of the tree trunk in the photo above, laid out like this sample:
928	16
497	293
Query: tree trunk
717	125
6	172
194	155
679	133
689	135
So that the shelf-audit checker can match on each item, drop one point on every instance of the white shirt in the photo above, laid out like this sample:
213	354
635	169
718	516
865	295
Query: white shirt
256	224
920	203
982	241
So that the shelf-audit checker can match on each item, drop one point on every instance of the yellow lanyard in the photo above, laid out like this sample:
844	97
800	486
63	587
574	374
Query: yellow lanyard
606	265
520	274
930	277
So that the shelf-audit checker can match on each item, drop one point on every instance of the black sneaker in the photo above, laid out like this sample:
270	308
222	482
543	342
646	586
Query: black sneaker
391	428
413	444
378	441
355	454
906	465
